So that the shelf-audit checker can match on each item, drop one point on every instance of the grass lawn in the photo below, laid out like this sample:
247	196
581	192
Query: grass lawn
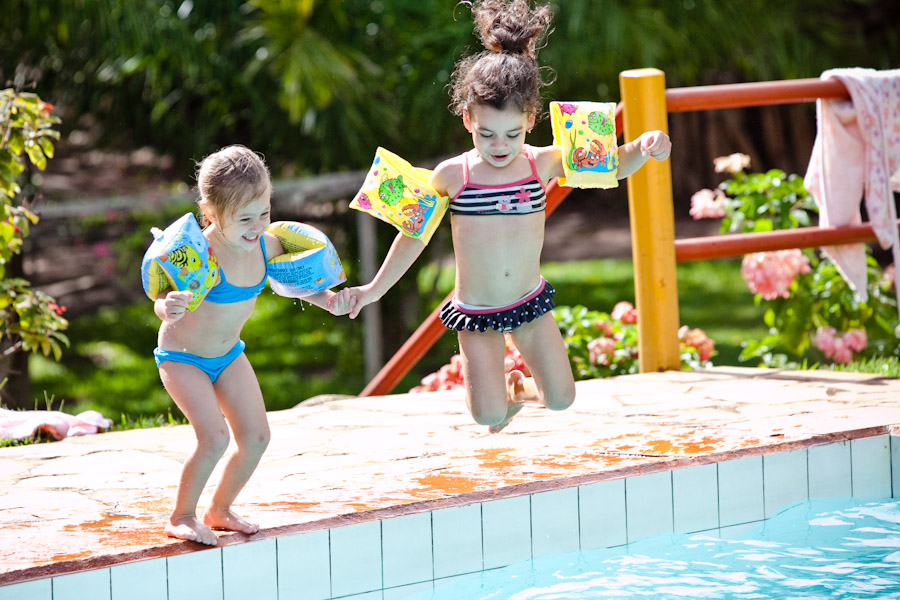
300	351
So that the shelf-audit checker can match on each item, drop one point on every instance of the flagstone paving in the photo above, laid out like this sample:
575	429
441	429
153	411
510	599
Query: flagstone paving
103	499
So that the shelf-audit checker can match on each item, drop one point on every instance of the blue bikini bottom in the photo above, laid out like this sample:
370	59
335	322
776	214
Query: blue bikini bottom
211	366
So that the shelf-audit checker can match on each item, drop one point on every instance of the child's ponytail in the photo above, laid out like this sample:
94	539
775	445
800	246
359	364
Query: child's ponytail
511	27
506	73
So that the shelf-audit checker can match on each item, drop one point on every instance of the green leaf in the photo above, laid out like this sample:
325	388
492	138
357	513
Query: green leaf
763	225
46	146
16	143
35	155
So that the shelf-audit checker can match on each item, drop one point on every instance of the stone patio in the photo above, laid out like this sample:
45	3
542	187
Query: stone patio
95	501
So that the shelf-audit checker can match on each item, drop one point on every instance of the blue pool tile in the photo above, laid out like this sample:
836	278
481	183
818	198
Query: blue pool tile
196	575
895	465
356	559
406	549
695	498
304	566
417	590
152	575
735	531
30	590
648	505
507	531
250	571
870	460
554	522
375	595
601	514
785	480
457	540
88	585
829	471
741	491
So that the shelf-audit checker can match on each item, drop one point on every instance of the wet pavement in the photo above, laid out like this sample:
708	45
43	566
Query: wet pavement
103	499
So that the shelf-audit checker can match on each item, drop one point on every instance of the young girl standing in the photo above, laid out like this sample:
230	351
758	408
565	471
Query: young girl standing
497	193
200	354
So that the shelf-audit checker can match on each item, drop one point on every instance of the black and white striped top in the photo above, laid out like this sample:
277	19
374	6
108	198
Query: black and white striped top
521	197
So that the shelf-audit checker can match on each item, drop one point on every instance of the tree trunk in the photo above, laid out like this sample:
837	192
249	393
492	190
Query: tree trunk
16	393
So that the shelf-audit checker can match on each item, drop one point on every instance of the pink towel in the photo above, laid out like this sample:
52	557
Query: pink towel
857	150
22	424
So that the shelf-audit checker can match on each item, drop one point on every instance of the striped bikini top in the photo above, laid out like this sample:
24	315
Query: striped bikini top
228	293
518	198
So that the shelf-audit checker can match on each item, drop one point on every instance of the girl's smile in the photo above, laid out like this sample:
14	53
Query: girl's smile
246	226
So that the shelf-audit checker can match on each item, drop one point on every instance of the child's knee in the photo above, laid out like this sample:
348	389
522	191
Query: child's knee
561	400
213	443
488	415
255	442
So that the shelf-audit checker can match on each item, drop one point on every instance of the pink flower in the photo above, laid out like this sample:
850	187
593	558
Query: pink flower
101	249
890	275
840	349
856	340
770	274
699	340
841	353
733	163
708	204
605	327
624	312
601	350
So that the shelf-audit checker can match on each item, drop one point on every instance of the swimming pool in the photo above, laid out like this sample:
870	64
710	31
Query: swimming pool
820	548
429	545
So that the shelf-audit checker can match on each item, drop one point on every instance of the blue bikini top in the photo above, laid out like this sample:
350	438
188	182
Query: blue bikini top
227	293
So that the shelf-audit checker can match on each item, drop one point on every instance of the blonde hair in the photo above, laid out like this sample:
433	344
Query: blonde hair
229	179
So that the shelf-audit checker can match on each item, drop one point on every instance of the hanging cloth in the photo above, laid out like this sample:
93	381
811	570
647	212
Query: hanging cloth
856	155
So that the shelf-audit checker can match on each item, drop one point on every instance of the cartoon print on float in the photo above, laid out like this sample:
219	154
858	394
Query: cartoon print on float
398	193
586	135
179	259
594	156
190	266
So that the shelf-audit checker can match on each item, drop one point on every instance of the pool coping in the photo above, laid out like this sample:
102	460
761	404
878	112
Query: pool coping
653	464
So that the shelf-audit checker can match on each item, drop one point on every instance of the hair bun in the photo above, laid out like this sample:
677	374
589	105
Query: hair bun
511	26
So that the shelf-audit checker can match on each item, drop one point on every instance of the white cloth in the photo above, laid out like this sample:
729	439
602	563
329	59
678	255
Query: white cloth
857	151
22	424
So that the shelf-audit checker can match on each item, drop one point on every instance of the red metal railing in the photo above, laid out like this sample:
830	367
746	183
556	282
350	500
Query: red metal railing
738	244
677	100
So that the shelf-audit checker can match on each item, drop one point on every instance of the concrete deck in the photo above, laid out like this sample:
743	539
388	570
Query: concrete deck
102	500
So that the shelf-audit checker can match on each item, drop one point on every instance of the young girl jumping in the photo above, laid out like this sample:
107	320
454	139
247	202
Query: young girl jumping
497	193
200	354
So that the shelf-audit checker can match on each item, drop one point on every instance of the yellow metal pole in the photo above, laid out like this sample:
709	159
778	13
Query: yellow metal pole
652	225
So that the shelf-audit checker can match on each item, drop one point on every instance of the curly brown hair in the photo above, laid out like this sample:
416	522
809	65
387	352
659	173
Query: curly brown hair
507	71
230	178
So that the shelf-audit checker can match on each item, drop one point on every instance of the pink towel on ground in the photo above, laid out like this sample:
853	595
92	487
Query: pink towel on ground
22	424
857	149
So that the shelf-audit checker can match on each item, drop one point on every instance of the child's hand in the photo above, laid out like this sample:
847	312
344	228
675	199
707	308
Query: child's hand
340	303
175	304
360	297
656	145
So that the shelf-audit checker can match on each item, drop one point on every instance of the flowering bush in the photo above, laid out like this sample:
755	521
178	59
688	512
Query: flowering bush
604	345
450	377
770	274
32	321
598	345
807	299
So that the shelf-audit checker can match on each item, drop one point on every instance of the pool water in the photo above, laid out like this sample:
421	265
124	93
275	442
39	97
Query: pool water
822	548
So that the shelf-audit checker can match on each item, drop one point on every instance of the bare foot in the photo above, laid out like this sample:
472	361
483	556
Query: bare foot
516	395
226	519
190	529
